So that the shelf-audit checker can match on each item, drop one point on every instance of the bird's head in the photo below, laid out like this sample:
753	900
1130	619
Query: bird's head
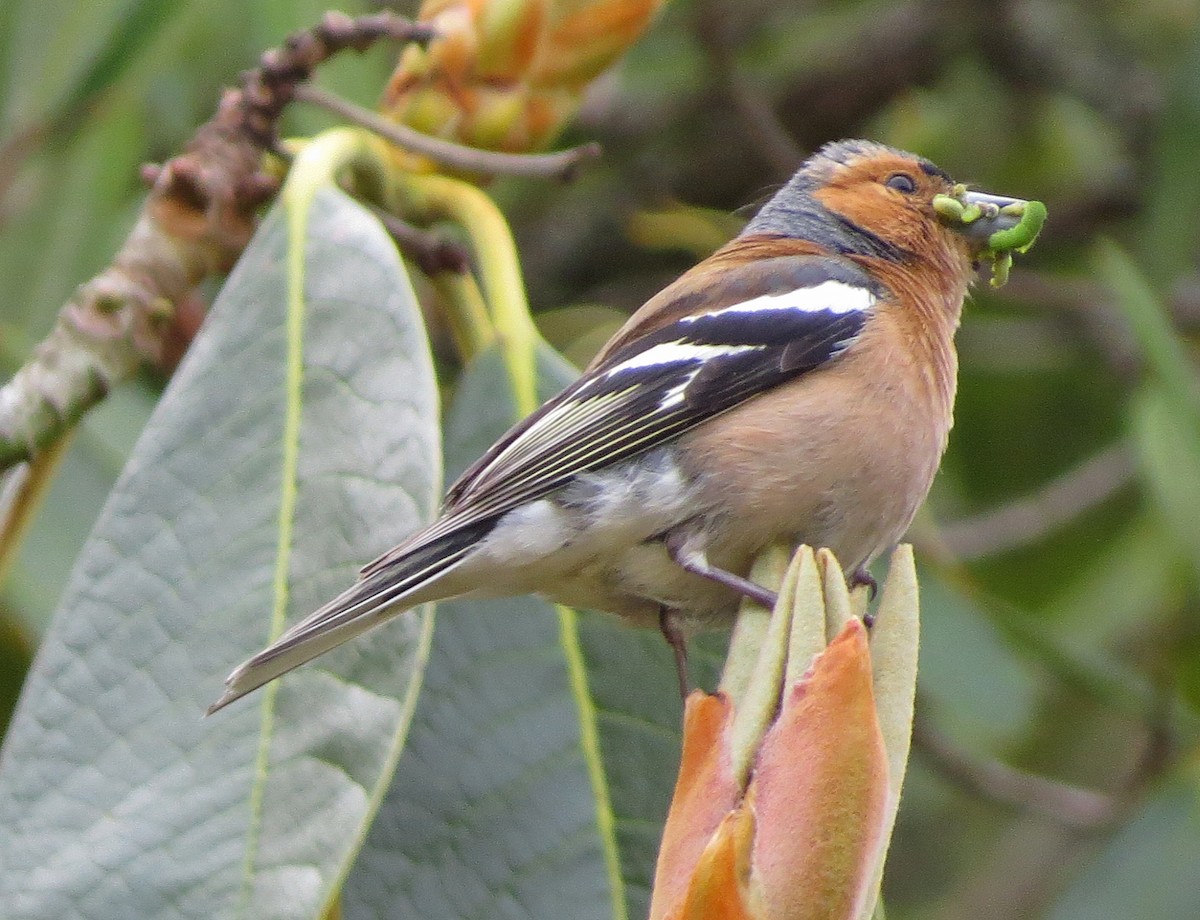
863	199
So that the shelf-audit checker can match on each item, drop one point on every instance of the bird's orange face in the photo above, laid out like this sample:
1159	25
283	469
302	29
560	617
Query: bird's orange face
919	211
888	194
891	196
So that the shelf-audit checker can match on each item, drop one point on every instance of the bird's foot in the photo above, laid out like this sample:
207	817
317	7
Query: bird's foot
861	578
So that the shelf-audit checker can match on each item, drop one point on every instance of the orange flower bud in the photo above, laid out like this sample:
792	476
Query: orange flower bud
508	74
788	817
705	793
821	790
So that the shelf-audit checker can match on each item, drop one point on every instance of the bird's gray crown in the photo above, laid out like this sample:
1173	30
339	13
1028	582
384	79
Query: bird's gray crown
796	212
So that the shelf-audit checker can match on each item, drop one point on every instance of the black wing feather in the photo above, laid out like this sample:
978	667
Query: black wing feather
639	398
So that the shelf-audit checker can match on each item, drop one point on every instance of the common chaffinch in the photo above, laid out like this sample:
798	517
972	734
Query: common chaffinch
797	386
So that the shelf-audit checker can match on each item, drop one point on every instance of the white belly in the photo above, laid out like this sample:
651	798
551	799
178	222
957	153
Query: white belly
595	544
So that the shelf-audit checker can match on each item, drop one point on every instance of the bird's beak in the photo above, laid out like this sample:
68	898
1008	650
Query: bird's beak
995	226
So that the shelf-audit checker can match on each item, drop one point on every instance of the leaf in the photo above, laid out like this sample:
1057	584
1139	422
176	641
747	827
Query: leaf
1160	344
1166	410
1168	441
61	56
491	811
544	746
1167	238
638	716
64	518
1147	871
298	438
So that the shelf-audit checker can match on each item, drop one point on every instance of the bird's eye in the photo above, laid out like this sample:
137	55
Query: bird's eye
901	182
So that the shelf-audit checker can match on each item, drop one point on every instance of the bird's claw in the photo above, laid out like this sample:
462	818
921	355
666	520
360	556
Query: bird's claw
860	578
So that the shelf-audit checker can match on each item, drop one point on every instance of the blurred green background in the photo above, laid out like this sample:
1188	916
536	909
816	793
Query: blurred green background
1056	770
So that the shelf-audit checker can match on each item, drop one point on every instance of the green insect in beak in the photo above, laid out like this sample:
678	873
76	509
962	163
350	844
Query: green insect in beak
1000	226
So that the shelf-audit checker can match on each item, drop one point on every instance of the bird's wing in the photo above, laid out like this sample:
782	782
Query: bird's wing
763	323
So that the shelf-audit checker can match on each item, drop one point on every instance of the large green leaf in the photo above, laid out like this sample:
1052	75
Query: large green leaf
490	812
65	517
1168	439
298	438
1147	871
1166	410
543	750
78	194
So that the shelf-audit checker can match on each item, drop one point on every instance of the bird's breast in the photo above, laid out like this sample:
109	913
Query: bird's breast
841	458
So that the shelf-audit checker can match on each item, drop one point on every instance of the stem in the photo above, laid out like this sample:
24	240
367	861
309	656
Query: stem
562	165
447	265
21	495
438	197
467	315
433	252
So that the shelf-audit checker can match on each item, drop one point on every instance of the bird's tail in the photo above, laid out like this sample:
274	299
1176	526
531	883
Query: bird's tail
385	591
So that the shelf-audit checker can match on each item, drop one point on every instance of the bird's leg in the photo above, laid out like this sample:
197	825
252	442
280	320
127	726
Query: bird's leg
695	561
674	636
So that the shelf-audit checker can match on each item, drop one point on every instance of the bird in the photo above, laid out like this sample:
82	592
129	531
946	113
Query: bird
797	386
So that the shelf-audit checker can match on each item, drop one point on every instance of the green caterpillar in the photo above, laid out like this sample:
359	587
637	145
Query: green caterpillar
1003	243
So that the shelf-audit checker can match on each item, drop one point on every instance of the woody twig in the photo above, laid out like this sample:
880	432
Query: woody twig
198	217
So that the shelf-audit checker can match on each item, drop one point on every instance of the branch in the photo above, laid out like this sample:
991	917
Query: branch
766	132
1033	517
562	165
1091	304
267	89
433	252
199	215
998	782
1029	861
